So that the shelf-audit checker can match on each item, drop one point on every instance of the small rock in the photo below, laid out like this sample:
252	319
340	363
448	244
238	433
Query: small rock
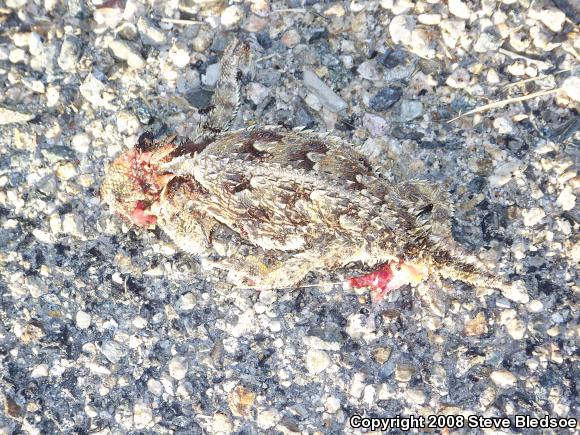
571	87
553	19
504	173
231	16
212	75
382	354
476	326
222	424
404	372
503	378
268	418
533	216
391	58
8	116
150	34
241	400
256	92
369	70
459	79
385	99
202	41
517	292
113	351
487	42
377	126
429	19
459	9
327	96
255	24
401	29
52	96
142	415
517	68
516	328
186	302
357	385
504	125
317	361
17	55
415	396
179	55
290	38
199	98
410	110
81	143
40	371
83	319
97	93
65	171
155	387
127	122
127	51
567	200
178	367
70	52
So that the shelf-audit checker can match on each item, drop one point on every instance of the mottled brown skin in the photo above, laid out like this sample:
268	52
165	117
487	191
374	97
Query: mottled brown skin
274	204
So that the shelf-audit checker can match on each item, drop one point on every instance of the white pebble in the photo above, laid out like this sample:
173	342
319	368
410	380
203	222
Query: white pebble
186	302
155	387
429	19
317	361
17	55
142	415
517	292
73	225
178	367
83	319
553	19
257	92
459	9
179	55
567	200
232	15
40	371
81	143
503	378
571	87
504	125
327	96
369	70
533	216
357	385
267	418
535	306
401	29
211	76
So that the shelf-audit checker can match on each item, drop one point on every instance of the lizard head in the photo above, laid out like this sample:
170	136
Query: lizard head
134	182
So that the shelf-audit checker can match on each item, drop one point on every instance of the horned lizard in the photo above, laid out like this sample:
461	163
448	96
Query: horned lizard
271	204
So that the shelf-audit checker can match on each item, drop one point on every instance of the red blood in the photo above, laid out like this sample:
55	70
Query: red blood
378	281
140	218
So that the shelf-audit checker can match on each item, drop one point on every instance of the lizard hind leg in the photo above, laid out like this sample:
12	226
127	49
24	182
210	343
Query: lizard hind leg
235	63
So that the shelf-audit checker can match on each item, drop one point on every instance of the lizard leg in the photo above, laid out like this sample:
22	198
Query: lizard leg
225	101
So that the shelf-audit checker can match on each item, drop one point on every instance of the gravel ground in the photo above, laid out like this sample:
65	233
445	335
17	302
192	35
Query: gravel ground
107	329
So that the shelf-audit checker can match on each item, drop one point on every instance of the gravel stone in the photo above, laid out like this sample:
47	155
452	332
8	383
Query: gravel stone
70	52
128	52
211	76
83	319
459	9
317	361
410	110
385	99
150	33
178	367
503	378
327	97
232	16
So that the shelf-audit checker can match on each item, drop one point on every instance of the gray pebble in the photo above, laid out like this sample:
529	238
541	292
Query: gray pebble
385	99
